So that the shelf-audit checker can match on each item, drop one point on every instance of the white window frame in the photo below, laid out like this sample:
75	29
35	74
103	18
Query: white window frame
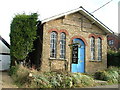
62	45
92	48
99	49
53	45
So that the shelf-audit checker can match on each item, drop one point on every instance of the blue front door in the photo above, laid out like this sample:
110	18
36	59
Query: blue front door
80	66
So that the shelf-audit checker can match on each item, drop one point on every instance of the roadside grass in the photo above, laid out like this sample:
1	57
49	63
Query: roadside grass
26	78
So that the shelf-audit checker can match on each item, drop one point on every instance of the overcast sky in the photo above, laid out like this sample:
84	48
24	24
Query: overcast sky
47	8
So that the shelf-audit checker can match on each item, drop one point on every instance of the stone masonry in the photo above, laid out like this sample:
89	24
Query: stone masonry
74	25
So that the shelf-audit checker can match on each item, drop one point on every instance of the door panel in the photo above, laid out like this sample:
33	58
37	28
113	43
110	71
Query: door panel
80	67
74	67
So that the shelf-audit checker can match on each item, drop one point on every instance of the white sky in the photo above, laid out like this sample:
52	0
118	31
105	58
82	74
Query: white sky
47	8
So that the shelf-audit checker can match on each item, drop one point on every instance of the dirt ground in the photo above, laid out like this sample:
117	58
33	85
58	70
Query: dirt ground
7	82
106	86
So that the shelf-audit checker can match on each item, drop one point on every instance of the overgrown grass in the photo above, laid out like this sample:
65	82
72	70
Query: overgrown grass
27	78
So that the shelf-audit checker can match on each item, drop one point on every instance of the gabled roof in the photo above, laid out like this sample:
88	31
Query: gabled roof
3	40
86	14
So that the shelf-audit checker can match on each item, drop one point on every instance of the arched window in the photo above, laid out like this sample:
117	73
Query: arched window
53	44
99	49
92	48
62	45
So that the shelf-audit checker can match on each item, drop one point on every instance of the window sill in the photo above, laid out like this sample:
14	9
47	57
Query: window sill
62	59
95	60
52	58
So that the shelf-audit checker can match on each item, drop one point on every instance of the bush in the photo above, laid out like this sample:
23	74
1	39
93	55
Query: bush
13	70
113	58
110	75
19	74
80	80
33	79
22	35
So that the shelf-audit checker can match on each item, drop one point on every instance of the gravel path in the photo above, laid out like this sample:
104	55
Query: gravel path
106	86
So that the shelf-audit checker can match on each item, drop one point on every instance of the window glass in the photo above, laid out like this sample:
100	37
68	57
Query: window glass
111	42
62	45
53	44
99	49
92	48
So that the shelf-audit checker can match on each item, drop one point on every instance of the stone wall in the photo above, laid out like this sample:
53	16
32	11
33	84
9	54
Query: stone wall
75	26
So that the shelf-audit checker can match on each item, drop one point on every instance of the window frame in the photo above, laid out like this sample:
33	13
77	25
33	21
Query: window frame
92	48
111	42
62	45
99	49
53	44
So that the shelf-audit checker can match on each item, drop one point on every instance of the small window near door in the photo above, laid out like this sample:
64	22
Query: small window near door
92	48
53	44
62	45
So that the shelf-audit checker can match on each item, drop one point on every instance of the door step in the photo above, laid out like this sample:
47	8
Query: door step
100	82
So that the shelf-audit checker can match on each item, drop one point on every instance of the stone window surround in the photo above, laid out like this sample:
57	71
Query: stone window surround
78	36
53	46
62	45
92	48
99	49
96	37
58	31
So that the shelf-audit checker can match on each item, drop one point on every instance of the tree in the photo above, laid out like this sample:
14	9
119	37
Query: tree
22	35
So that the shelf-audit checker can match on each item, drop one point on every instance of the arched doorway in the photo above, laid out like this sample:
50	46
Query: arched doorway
80	65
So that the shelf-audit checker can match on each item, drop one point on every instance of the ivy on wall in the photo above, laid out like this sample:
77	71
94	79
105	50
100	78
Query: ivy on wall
22	35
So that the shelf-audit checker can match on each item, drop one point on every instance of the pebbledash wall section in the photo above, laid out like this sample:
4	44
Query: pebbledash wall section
75	26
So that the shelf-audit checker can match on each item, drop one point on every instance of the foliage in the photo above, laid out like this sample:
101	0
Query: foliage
22	35
20	74
113	58
81	80
39	79
13	70
111	75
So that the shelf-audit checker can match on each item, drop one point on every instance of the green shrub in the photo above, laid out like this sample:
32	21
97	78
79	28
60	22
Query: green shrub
22	35
110	75
13	70
50	79
19	74
40	81
80	80
113	58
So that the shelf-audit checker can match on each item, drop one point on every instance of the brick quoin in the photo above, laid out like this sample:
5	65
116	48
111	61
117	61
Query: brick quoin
65	31
95	36
53	30
99	36
92	35
80	37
